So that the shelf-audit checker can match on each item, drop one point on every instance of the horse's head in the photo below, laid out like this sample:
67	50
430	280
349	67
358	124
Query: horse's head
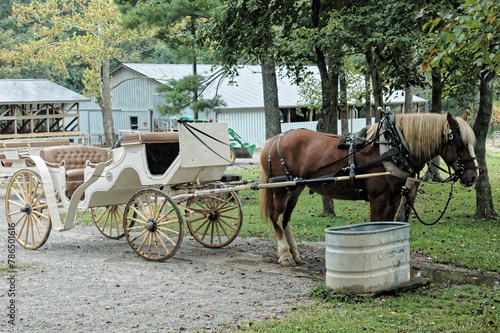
459	150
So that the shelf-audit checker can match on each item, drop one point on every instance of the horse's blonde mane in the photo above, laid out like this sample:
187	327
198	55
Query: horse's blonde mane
424	133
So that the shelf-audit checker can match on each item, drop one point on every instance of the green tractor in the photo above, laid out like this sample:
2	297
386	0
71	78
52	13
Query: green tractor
239	149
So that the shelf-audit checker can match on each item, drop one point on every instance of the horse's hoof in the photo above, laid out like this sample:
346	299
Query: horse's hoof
287	262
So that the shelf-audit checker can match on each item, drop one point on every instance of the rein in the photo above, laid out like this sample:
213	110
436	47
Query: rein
405	192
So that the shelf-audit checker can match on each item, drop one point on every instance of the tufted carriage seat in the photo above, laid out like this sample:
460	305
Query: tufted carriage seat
161	148
25	146
74	159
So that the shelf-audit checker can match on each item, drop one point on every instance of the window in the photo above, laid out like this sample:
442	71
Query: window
134	123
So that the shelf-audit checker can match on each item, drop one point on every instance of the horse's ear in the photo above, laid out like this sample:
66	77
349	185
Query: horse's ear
453	123
464	116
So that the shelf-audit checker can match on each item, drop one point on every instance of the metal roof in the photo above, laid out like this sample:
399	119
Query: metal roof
245	92
31	91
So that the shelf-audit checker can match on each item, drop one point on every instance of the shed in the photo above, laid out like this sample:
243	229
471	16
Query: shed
32	108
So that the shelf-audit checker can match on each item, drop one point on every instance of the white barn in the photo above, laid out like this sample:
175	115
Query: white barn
134	101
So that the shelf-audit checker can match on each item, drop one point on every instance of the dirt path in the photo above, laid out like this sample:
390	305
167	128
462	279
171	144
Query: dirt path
80	281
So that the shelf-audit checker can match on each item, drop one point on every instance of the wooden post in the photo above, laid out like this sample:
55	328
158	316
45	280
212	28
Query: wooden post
404	210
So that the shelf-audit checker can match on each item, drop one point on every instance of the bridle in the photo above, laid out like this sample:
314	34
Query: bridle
456	143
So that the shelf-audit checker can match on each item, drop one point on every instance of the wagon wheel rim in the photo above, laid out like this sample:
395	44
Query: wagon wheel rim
153	225
109	220
214	220
27	209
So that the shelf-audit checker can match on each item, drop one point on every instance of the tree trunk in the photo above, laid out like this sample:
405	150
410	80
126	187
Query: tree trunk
368	95
271	104
378	94
408	99
436	107
195	64
484	200
437	91
105	103
344	116
328	118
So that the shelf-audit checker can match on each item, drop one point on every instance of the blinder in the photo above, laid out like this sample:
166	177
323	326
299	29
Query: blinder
457	144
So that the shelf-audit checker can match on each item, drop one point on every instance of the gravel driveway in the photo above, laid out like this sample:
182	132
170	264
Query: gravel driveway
80	281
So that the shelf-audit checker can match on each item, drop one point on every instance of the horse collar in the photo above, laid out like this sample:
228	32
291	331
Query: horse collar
403	159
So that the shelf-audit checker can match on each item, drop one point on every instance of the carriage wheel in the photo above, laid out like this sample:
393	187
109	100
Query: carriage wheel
109	220
27	209
214	220
153	225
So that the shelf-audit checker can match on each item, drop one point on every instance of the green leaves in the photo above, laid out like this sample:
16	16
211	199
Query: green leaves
179	95
472	28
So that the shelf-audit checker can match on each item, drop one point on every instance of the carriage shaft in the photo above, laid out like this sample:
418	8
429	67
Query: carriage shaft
290	183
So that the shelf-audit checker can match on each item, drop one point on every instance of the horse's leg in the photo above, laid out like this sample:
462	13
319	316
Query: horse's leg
384	207
292	202
283	204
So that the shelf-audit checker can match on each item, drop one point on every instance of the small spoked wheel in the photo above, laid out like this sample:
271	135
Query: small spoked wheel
153	225
214	220
27	209
109	220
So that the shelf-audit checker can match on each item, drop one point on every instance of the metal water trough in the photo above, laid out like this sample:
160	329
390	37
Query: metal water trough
368	257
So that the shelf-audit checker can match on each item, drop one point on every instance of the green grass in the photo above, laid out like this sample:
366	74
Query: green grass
458	309
459	239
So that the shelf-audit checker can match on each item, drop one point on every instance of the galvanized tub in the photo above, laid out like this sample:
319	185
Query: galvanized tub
368	257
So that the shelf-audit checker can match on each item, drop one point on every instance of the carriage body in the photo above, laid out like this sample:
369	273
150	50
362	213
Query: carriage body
149	167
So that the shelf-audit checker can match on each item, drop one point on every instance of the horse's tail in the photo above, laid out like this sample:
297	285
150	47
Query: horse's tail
265	196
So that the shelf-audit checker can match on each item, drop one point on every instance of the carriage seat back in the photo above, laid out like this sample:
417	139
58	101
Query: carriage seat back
150	137
75	158
162	148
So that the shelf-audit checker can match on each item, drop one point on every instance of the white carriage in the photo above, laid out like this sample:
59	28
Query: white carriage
142	191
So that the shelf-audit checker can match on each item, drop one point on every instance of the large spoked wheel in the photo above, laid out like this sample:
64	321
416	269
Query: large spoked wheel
153	225
109	220
27	209
214	220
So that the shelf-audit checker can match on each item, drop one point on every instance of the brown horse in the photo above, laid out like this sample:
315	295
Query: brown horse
402	147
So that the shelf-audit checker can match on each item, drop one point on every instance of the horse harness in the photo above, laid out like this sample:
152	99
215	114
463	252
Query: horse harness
397	152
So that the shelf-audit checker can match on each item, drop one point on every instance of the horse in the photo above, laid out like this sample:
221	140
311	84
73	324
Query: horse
401	144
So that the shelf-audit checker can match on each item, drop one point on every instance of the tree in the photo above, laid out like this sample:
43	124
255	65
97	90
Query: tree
178	96
177	23
86	32
240	33
471	27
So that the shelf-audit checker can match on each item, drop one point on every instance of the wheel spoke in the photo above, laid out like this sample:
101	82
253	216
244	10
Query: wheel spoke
138	236
36	228
167	238
162	243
